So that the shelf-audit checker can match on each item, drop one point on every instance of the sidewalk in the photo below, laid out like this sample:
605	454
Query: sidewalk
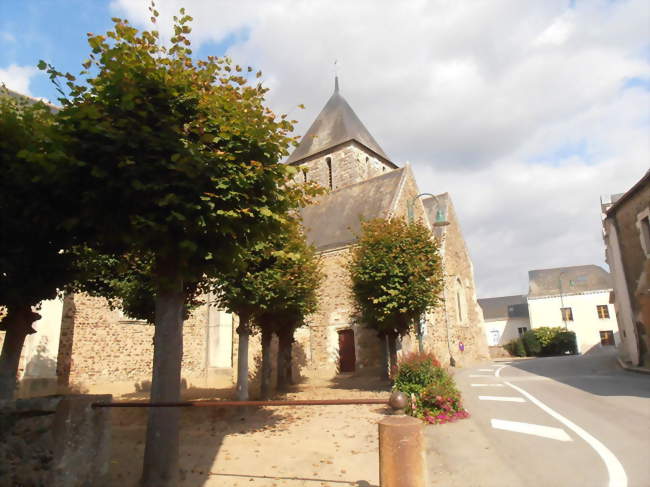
632	368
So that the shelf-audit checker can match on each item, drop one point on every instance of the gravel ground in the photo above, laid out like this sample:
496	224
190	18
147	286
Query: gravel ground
268	446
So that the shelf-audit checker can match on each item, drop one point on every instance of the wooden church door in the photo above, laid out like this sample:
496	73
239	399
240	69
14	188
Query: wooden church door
347	356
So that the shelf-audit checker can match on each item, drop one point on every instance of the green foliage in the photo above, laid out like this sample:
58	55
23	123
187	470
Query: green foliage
277	281
543	341
436	397
516	347
396	273
416	371
34	261
170	155
531	344
564	342
545	335
127	282
556	340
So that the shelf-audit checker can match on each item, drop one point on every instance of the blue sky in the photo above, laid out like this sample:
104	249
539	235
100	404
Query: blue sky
524	111
55	31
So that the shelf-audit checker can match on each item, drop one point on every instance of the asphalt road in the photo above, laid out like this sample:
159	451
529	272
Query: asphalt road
560	421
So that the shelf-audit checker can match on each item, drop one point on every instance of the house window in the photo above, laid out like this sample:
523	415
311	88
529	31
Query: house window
603	311
567	314
329	171
607	338
521	330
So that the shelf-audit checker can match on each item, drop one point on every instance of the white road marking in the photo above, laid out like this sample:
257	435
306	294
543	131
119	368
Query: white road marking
531	429
615	471
486	385
502	398
481	375
485	370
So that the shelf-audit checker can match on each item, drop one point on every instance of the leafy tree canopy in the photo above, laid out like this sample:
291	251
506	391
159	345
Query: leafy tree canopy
33	263
396	273
279	279
169	155
126	282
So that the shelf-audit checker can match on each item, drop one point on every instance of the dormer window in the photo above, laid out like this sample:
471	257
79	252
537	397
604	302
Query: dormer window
329	171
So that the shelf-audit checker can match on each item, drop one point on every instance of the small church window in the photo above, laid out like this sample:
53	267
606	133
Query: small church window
329	171
304	173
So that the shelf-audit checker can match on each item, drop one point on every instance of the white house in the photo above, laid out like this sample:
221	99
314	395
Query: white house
505	318
578	299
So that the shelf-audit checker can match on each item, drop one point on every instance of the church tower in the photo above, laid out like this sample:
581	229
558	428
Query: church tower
338	150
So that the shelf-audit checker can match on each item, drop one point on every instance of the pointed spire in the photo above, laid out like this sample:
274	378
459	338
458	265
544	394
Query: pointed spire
337	123
336	76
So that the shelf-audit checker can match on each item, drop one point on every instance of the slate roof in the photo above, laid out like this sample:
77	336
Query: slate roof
575	279
504	307
337	123
335	219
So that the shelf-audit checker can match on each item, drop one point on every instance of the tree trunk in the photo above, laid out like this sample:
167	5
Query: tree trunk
18	324
385	359
392	349
161	450
285	340
267	336
242	357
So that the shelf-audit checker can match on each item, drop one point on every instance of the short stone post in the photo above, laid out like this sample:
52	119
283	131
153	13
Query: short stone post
402	460
81	442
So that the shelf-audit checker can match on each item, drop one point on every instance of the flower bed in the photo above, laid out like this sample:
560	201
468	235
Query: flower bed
434	396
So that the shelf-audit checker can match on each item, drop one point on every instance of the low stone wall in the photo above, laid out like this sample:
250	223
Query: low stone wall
57	441
499	352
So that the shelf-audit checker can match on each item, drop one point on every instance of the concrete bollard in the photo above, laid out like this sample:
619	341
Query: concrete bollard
402	460
81	442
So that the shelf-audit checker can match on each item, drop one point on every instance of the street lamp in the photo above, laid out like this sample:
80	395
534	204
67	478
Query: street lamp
440	221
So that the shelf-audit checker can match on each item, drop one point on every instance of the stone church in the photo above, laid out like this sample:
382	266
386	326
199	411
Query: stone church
97	349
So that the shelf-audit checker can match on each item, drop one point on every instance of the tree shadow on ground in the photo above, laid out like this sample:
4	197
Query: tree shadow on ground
202	433
596	373
362	382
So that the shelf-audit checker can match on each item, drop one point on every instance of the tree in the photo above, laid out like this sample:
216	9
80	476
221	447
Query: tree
33	262
301	276
275	287
397	276
176	158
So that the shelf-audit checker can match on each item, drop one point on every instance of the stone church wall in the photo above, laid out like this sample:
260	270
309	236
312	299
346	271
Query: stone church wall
350	164
102	351
470	329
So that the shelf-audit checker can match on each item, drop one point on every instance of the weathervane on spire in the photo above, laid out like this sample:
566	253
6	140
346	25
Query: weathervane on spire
336	76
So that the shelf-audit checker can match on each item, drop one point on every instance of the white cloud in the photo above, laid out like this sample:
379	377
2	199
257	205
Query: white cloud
7	37
486	98
17	77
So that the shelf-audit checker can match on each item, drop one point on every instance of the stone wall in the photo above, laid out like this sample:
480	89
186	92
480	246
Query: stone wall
468	328
633	254
351	164
101	350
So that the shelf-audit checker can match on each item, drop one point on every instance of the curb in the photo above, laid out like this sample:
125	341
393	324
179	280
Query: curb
638	370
